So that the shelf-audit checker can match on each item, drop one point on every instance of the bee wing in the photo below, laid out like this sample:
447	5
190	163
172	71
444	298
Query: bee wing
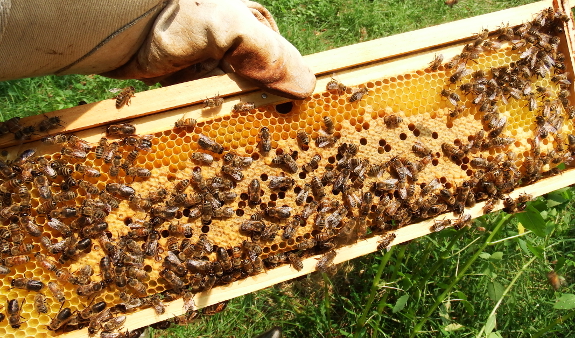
115	90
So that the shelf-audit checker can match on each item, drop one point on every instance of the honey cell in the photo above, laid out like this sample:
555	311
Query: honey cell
414	96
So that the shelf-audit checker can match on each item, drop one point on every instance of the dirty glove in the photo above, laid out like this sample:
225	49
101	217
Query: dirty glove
150	40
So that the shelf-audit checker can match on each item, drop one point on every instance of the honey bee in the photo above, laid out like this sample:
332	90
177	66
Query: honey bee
234	172
440	225
386	241
151	245
40	303
62	318
420	149
56	139
113	323
290	229
279	212
137	286
392	121
323	141
280	182
358	94
175	282
121	129
125	96
334	84
243	106
270	232
459	73
302	138
121	190
14	309
329	127
56	292
89	289
208	144
74	153
212	102
325	261
27	284
452	152
186	123
436	63
489	205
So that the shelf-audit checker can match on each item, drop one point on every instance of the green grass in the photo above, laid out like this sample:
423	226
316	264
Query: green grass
333	305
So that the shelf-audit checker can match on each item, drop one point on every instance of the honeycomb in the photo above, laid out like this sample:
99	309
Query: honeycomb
415	97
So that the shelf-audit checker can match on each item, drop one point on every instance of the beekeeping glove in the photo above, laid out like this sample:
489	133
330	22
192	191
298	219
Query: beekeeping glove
150	40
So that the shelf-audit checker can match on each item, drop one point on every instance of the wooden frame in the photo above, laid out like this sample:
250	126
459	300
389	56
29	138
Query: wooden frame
354	64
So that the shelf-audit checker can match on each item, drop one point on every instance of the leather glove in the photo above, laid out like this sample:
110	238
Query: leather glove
150	40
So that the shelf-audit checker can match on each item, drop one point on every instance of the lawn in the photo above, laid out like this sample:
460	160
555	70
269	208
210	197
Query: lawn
503	290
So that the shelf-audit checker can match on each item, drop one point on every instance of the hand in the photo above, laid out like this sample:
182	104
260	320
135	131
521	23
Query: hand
166	41
193	39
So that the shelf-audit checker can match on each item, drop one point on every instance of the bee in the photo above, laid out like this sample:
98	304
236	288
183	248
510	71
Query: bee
173	280
121	129
340	181
87	170
440	225
56	292
454	153
208	144
125	96
223	212
334	84
313	163
137	286
4	270
139	172
212	102
325	261
329	127
89	289
243	106
113	323
234	172
74	153
121	190
489	205
12	125
151	244
436	63
386	241
279	212
303	194
451	96
24	157
57	225
288	161
186	122
392	121
280	182
295	261
420	149
265	140
14	309
357	94
27	284
49	123
40	303
459	73
323	141
56	139
270	232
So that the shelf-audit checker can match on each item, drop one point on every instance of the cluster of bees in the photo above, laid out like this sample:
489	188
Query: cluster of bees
354	196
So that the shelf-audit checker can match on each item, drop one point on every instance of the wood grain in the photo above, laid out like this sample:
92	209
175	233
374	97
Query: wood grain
284	273
324	63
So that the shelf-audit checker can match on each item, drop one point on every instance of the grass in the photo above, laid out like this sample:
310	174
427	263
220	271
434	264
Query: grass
503	293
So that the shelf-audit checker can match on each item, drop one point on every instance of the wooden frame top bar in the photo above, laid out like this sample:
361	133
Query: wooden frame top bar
325	63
